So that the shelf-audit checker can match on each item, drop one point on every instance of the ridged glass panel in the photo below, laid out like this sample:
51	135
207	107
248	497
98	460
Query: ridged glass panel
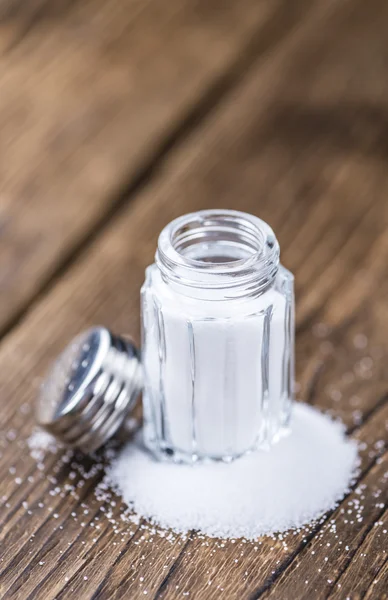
217	387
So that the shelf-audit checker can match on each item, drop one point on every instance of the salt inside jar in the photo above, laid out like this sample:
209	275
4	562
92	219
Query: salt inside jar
218	338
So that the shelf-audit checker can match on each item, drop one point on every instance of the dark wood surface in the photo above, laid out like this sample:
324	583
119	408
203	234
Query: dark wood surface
116	117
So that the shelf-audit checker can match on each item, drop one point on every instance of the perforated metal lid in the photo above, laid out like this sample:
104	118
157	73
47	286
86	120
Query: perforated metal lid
90	389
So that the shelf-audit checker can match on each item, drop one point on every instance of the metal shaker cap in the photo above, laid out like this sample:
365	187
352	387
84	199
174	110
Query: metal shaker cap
90	389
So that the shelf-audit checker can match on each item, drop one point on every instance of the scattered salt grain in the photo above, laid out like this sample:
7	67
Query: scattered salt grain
40	443
301	478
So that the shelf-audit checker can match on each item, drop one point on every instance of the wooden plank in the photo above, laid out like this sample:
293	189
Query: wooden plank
206	561
249	570
364	569
91	97
379	587
319	566
226	161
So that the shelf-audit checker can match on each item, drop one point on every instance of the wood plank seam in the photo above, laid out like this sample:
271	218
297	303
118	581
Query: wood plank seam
62	501
279	571
275	32
116	561
381	402
369	414
376	577
290	559
351	431
184	563
370	587
65	554
311	318
28	26
78	571
288	565
352	555
173	568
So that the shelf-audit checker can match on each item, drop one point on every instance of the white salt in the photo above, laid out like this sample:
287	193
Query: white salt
301	478
218	324
40	443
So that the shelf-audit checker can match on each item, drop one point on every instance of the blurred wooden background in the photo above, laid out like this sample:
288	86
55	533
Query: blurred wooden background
116	117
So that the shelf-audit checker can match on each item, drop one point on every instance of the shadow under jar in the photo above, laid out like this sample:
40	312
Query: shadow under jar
218	338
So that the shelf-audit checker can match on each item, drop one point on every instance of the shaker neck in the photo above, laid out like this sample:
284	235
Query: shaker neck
218	255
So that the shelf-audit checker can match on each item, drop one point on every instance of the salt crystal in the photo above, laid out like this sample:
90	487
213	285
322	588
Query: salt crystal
296	482
40	443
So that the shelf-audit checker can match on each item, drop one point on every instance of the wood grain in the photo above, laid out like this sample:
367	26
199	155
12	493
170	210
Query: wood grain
300	140
92	96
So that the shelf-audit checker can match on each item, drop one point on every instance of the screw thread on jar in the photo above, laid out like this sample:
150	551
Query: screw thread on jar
229	253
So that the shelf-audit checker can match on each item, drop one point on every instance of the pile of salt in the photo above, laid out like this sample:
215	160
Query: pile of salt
301	478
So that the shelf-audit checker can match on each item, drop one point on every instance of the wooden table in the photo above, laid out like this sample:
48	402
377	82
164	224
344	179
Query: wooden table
116	117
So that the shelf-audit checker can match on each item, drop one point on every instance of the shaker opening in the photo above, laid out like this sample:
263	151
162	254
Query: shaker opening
226	250
217	237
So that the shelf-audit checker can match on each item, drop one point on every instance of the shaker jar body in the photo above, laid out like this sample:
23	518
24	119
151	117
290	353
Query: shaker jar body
218	369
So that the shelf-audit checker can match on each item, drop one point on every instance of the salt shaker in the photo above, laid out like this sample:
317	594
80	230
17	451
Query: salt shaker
218	338
217	363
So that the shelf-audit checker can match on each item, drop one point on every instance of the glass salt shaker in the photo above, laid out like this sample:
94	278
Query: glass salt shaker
218	338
